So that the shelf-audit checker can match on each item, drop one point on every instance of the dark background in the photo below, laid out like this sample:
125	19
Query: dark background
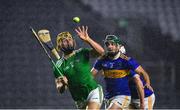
148	28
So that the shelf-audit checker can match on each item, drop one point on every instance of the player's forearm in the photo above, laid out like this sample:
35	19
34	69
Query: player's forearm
98	48
146	78
140	90
143	73
141	93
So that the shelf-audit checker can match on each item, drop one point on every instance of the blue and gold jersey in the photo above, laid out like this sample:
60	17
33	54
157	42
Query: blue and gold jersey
116	75
134	93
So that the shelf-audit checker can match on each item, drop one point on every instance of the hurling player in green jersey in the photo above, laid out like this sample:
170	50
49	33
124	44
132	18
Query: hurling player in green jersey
75	67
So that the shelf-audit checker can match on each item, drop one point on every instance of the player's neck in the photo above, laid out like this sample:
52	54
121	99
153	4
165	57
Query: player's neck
116	56
69	54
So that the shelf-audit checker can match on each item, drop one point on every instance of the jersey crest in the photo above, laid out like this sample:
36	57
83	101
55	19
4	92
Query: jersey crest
59	62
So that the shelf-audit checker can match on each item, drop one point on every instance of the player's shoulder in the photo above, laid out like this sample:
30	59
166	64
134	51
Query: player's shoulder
78	50
82	50
125	57
103	57
122	56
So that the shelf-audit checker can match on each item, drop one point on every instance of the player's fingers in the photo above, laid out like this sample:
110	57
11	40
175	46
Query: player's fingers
83	30
86	29
79	29
65	80
59	85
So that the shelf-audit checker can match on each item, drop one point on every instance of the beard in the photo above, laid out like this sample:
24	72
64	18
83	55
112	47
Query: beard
67	50
112	54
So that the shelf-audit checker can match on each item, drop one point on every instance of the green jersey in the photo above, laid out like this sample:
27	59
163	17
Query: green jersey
77	70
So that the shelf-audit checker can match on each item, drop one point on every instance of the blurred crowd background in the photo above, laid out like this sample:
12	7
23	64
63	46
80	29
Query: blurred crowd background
150	30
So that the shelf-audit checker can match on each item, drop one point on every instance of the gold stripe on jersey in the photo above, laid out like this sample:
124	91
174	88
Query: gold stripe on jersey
116	73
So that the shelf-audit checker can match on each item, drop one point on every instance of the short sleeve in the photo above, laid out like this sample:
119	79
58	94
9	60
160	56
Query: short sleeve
86	52
133	64
97	65
132	73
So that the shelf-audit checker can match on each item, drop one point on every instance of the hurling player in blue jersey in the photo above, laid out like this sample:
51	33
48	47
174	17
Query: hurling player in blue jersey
116	67
149	97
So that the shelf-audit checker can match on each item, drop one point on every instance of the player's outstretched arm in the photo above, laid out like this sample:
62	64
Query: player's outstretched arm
145	75
83	34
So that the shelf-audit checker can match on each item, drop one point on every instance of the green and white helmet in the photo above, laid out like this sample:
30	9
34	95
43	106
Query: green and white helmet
112	38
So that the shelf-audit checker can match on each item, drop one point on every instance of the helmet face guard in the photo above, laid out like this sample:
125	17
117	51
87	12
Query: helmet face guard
113	39
69	49
60	37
